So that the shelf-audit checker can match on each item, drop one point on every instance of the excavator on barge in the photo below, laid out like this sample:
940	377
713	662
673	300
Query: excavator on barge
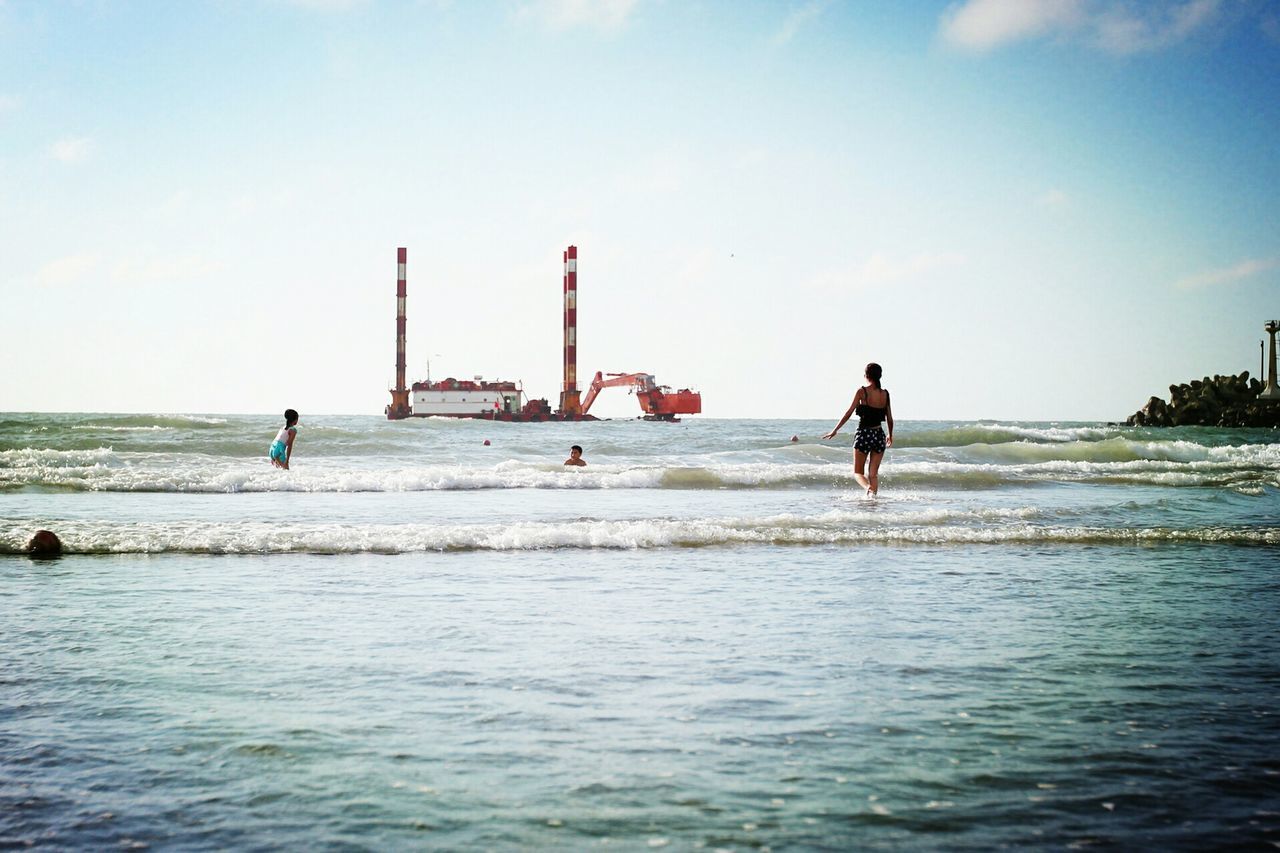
658	402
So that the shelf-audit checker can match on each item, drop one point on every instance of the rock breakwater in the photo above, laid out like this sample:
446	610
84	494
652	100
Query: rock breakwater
1227	401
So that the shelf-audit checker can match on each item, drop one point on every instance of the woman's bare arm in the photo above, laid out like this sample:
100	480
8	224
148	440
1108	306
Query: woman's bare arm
848	414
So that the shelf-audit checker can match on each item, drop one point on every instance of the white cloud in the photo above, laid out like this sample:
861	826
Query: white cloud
663	174
881	270
138	269
603	15
253	203
751	158
174	204
148	270
326	5
984	24
1121	31
798	17
1228	275
1052	199
66	270
697	268
71	150
9	103
1116	27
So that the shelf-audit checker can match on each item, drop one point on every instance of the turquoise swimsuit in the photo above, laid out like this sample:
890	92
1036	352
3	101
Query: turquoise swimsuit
280	447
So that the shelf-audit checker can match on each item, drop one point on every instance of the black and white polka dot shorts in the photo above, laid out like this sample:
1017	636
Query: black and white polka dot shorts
869	440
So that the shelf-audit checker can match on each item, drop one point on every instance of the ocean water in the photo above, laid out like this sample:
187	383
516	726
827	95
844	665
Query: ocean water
1039	635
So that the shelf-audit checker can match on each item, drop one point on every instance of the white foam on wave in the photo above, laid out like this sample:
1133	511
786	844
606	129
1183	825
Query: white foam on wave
105	428
1246	467
195	419
1176	463
937	527
105	470
46	456
1053	433
962	435
43	467
1112	450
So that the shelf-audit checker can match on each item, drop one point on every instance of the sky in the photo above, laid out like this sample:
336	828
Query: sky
1022	209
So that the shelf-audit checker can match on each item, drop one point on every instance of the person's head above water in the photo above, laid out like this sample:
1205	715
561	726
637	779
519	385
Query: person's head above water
44	544
575	456
290	417
873	373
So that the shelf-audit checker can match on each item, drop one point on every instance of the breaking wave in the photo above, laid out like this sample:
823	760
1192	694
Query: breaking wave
152	421
835	528
116	428
214	455
967	434
979	467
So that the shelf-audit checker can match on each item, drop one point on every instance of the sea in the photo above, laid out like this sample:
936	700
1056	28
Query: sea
1038	636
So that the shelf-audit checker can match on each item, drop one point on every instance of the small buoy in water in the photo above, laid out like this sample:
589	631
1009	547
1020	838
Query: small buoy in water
795	438
45	543
486	442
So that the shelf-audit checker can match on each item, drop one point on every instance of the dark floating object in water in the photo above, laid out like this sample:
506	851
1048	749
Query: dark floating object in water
45	543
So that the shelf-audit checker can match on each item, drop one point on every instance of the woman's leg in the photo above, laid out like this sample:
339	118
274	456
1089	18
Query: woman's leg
874	472
859	465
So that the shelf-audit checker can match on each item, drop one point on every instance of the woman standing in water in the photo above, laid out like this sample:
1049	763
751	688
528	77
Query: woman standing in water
871	404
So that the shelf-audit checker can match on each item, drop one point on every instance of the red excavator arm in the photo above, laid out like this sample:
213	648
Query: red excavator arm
642	382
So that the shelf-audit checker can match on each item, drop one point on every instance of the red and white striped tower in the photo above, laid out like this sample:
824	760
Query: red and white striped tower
399	407
570	404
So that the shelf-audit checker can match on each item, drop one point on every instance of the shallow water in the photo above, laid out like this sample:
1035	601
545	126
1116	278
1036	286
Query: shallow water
724	647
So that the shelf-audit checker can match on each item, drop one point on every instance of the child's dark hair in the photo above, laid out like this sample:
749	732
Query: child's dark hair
290	417
576	447
873	373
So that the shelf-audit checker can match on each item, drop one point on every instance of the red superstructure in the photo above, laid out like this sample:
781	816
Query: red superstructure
452	384
656	401
662	404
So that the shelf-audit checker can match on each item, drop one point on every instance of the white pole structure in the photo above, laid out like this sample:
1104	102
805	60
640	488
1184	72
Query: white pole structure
1271	392
570	404
399	407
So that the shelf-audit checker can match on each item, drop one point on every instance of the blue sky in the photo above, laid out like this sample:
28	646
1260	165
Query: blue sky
1032	209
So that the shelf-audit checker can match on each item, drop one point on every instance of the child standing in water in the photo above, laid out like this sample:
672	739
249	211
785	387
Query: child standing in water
871	403
282	447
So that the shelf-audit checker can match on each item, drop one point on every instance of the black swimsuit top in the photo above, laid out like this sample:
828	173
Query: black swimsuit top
869	416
